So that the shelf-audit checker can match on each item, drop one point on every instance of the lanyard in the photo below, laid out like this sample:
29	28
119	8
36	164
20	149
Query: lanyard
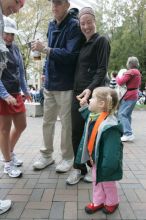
94	132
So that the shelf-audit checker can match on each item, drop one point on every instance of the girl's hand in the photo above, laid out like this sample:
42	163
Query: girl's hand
83	97
11	100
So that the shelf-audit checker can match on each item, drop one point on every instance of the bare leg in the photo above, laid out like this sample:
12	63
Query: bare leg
5	127
19	122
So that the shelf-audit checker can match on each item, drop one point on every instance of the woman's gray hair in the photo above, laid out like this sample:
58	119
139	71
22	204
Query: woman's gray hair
132	62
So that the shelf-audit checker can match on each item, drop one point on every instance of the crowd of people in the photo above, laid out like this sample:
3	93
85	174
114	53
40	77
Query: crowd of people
75	89
142	98
36	94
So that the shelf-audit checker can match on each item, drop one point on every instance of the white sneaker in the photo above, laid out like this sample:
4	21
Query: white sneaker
74	177
64	166
125	138
11	170
42	163
88	176
5	205
17	162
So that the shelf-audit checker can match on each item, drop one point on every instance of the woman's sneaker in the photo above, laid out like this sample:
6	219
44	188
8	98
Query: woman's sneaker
11	170
74	177
17	162
88	176
5	205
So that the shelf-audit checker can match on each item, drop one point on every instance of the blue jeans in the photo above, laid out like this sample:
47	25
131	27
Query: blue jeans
124	115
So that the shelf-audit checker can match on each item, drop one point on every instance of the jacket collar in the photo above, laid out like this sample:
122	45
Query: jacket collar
92	39
63	23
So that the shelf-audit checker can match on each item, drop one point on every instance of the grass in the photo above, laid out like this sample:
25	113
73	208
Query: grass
140	107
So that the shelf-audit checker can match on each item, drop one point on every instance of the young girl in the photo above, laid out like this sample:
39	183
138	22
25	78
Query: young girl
102	148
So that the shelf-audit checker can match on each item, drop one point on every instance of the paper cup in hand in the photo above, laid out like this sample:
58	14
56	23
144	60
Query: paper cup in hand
36	55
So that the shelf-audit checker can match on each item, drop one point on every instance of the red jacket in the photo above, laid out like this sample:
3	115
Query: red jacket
132	79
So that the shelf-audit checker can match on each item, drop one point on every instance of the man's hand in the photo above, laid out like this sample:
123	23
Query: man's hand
43	78
37	45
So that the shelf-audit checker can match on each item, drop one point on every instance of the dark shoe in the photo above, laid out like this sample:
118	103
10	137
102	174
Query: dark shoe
110	209
91	208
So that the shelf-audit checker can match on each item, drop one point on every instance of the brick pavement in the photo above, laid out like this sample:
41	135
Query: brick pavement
44	194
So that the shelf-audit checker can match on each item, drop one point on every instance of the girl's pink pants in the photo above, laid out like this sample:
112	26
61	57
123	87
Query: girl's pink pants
104	192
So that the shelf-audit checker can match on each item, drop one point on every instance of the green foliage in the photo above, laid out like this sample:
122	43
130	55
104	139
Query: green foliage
140	107
123	21
32	22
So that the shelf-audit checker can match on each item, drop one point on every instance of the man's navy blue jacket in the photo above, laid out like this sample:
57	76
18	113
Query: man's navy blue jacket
65	42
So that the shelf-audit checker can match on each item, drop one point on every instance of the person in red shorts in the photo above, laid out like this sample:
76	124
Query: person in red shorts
7	7
12	109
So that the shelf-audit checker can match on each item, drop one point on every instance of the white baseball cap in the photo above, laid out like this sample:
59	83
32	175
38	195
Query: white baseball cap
10	26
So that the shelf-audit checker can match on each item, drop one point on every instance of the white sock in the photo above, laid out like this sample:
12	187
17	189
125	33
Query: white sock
8	163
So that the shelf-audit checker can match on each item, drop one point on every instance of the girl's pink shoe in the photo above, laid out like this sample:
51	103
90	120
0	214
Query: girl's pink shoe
110	209
91	208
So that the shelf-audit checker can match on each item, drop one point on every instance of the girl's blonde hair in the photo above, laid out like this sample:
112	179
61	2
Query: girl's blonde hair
109	96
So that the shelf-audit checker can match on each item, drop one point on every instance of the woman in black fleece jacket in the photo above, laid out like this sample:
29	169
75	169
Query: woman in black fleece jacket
90	72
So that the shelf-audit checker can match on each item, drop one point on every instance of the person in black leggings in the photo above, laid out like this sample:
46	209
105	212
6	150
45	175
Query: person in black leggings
91	71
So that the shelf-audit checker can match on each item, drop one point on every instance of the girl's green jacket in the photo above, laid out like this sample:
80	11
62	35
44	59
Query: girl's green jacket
108	152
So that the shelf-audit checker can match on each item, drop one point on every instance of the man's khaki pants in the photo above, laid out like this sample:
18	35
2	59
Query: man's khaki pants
57	103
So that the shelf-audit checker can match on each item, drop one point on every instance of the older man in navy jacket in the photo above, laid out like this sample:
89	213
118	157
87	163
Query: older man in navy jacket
64	40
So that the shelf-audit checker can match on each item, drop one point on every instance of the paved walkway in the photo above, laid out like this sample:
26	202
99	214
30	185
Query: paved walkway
44	194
